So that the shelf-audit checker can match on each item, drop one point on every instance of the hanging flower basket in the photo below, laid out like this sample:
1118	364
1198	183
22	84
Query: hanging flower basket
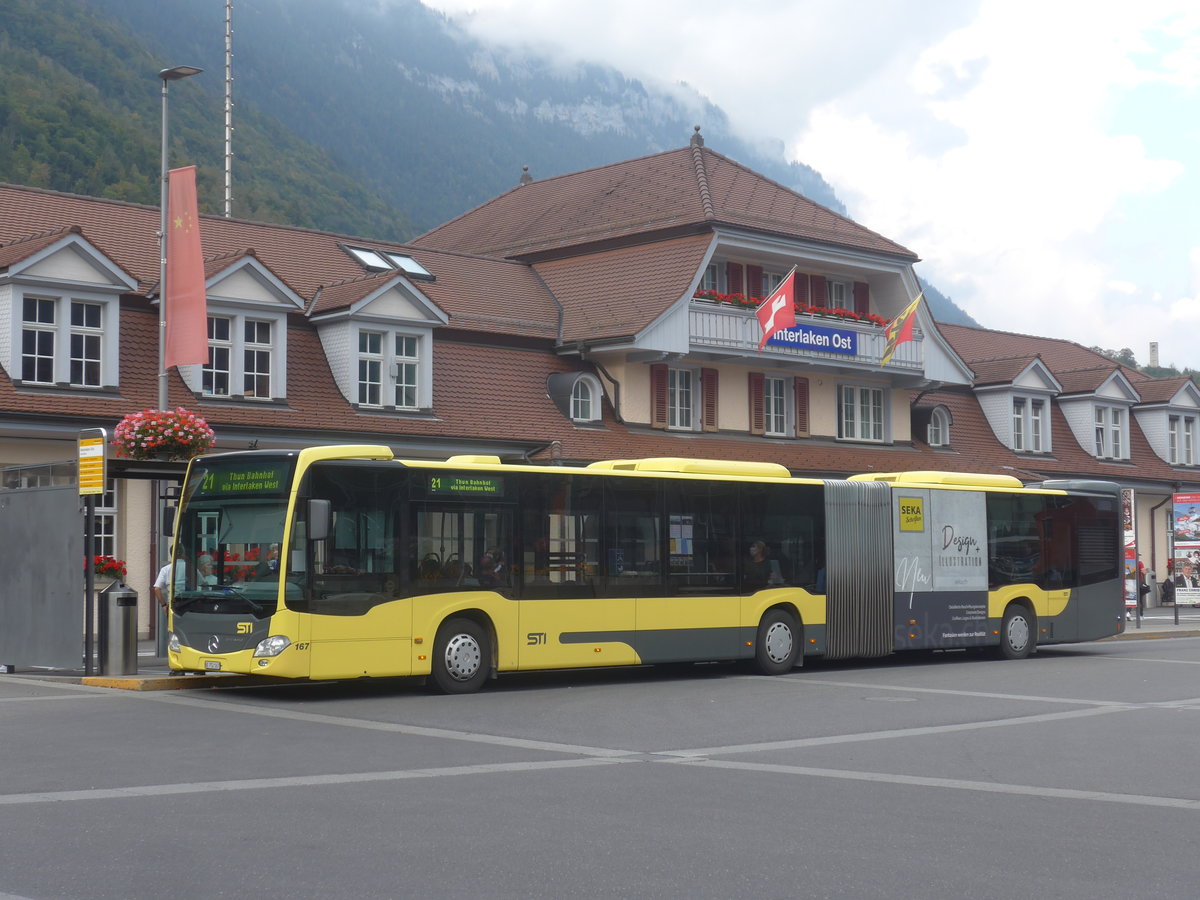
173	434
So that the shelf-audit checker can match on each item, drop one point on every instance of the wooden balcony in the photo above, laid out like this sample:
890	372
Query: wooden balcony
719	327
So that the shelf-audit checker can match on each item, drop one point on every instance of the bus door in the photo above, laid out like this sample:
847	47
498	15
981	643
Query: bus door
696	616
359	624
567	618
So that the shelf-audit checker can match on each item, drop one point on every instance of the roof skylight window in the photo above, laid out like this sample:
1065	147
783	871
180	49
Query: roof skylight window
385	260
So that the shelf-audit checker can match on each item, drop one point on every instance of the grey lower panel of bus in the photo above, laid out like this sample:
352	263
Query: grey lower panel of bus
676	644
859	577
933	619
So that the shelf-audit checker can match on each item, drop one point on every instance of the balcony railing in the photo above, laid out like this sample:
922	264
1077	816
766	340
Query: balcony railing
719	326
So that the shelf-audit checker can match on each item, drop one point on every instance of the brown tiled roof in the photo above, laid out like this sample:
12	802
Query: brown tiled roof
617	293
999	371
1085	381
1160	390
303	259
977	344
690	189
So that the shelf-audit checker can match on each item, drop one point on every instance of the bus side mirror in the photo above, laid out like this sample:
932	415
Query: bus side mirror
319	515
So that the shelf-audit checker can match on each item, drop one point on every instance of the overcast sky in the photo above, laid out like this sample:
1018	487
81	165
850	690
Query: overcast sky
1040	156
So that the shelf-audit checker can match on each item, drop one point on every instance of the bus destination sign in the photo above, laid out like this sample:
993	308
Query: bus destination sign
467	485
243	481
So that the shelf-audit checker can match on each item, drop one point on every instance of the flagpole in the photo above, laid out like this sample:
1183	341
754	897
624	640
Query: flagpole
167	75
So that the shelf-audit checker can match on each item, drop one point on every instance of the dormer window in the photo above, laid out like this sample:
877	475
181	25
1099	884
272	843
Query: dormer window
1030	428
1181	440
1110	432
389	367
388	260
62	342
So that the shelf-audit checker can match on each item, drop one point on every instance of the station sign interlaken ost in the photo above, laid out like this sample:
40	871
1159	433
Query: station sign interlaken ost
817	337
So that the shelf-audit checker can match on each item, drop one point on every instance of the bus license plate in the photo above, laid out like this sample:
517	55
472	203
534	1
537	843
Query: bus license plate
212	664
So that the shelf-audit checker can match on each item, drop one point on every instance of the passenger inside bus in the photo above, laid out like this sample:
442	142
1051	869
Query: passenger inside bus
760	568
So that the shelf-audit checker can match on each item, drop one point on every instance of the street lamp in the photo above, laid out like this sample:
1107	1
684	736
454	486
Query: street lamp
167	75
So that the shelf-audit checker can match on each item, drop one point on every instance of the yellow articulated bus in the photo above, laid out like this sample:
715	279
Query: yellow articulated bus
344	562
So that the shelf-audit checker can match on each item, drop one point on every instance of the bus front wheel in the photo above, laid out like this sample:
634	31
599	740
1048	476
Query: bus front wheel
461	658
778	646
1018	632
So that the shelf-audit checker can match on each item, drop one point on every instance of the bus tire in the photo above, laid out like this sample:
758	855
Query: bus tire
461	657
1018	632
777	647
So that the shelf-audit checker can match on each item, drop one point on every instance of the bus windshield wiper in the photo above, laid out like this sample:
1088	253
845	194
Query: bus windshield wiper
231	592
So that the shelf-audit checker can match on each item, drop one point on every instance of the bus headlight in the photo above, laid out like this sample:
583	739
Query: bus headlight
173	643
272	646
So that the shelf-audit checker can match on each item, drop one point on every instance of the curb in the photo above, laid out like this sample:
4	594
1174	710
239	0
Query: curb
172	683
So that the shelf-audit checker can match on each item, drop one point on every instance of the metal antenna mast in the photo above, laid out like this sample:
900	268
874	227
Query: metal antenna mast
228	108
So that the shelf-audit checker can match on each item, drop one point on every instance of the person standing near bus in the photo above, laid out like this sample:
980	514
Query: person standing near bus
163	579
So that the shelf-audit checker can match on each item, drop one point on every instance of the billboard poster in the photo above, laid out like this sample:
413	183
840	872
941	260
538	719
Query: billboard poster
1130	544
1185	535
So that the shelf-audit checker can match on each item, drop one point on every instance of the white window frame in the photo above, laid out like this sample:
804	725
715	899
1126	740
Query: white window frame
91	337
220	358
937	432
60	334
582	400
241	346
776	409
770	281
683	399
406	370
254	352
853	401
711	279
1111	436
370	360
105	537
400	368
1031	425
1181	440
839	294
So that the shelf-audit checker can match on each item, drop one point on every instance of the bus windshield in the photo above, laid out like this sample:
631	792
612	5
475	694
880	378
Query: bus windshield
229	535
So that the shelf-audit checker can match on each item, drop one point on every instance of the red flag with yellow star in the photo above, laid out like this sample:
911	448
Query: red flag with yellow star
184	297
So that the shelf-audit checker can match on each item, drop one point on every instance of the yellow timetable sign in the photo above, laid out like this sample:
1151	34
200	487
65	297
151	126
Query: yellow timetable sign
912	513
92	461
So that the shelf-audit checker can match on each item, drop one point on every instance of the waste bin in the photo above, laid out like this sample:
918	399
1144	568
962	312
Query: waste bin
118	608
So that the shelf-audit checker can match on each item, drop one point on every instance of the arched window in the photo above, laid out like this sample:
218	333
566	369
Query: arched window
938	431
582	401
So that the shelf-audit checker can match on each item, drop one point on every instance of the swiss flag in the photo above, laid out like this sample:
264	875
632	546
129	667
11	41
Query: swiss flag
778	310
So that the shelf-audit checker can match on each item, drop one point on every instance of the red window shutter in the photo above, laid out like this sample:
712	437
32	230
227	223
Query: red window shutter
803	294
733	278
754	281
708	387
758	418
801	388
658	395
862	298
818	291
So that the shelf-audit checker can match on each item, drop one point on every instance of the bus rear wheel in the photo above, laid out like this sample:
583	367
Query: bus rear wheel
778	645
461	657
1018	632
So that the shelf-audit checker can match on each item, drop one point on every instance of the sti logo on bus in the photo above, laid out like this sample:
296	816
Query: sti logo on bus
912	513
245	627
